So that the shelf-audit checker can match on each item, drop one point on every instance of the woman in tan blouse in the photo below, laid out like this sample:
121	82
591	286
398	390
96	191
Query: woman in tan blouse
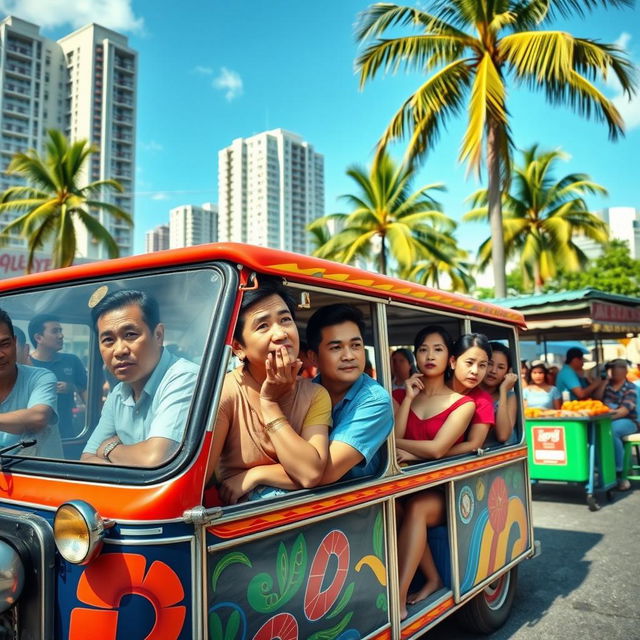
269	419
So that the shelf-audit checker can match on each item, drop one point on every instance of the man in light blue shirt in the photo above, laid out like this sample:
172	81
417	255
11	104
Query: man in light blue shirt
571	377
362	412
27	401
144	417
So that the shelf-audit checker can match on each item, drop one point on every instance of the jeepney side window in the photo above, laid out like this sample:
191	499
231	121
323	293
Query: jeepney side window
133	382
223	488
502	382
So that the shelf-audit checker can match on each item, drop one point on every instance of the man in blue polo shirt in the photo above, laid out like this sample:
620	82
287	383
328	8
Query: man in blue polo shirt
362	411
27	401
144	417
571	377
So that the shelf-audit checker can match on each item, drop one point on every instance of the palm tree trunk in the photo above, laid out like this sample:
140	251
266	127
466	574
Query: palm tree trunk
495	210
537	278
383	255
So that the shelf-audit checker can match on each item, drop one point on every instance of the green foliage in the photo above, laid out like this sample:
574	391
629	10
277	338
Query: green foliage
53	201
468	49
615	271
541	218
484	293
390	225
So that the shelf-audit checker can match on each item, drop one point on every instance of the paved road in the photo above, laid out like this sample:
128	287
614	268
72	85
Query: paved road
586	583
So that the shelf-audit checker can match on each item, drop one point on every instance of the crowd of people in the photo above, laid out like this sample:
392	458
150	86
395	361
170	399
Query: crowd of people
546	389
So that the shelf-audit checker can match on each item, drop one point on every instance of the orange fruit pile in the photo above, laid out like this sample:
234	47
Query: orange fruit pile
587	407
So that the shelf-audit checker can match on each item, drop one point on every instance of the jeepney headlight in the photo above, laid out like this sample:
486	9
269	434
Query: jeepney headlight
78	530
11	576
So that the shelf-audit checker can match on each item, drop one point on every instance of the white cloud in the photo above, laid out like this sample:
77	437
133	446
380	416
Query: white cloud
229	81
623	41
205	71
160	196
629	108
113	14
152	145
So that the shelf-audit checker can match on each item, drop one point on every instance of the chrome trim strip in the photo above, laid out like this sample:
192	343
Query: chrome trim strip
149	542
277	530
453	540
155	531
393	580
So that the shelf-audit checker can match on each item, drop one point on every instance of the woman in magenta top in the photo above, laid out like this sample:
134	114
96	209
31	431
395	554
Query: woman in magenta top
429	419
469	362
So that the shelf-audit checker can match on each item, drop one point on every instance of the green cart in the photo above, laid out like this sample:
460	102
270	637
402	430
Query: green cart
573	449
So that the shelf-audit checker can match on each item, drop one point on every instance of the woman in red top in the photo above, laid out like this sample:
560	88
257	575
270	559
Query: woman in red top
470	362
429	418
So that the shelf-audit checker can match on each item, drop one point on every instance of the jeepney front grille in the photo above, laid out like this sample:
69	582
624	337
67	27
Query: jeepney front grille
9	625
32	617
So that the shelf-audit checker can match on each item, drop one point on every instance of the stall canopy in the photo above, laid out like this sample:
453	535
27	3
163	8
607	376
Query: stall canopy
585	314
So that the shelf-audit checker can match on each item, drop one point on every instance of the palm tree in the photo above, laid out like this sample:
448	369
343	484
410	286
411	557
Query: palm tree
471	48
388	224
52	203
541	216
456	268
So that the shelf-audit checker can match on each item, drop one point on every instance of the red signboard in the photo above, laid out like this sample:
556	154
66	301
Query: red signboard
549	445
615	313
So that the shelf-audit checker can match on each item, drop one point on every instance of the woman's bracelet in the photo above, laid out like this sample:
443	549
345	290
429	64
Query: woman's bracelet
276	424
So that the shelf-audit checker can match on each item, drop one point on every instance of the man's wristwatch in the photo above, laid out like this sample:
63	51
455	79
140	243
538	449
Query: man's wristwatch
109	448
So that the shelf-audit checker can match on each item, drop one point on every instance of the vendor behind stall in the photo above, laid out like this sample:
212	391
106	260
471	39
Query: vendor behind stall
620	396
572	378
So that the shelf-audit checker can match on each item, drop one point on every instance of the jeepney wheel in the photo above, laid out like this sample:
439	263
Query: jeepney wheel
592	503
610	495
490	609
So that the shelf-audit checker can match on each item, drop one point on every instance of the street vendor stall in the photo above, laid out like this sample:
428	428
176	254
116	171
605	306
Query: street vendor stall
572	445
575	444
585	314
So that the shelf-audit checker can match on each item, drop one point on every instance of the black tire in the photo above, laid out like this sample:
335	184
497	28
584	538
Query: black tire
490	609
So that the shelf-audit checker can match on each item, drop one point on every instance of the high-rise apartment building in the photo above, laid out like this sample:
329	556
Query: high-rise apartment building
624	224
270	187
191	224
157	239
83	84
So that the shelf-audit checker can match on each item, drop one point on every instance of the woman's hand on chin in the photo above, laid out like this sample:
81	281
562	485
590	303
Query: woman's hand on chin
282	372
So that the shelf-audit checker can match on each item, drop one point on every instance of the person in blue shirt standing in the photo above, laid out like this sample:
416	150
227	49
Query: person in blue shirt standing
571	377
144	417
45	333
361	409
27	401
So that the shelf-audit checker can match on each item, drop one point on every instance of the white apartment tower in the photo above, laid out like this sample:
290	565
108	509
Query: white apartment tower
624	224
270	187
157	239
83	84
191	224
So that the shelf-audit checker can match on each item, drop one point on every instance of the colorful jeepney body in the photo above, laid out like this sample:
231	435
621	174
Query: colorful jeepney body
315	564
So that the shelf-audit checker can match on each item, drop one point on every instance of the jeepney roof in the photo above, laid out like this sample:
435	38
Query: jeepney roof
291	266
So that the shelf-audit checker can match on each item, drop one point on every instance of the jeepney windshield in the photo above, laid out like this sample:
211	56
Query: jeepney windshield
109	368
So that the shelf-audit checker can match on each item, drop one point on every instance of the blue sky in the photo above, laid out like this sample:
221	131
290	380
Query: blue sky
213	71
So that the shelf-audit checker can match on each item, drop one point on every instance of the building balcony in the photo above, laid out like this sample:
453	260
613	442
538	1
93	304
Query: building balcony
15	89
22	51
17	70
19	112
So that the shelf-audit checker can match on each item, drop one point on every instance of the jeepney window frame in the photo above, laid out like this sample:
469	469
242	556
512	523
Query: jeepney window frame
377	324
209	381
